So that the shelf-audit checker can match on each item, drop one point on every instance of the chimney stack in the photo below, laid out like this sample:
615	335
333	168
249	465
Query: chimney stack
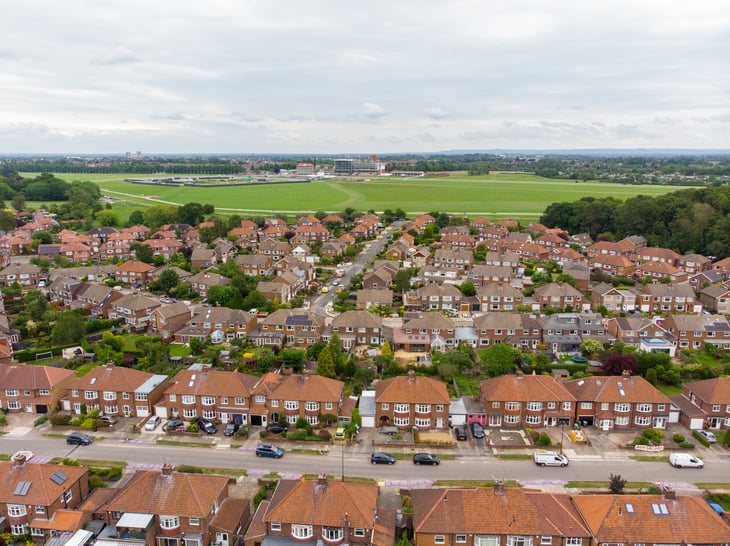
626	373
19	460
411	375
669	493
167	469
322	479
499	487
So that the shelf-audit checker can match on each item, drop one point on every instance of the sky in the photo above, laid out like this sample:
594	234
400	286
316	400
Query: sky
380	76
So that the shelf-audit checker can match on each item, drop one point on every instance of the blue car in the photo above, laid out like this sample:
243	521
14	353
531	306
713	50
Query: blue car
268	450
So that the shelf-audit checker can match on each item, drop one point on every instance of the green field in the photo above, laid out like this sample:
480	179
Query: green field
502	195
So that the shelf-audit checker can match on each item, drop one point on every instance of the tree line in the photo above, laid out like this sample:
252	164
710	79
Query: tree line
693	220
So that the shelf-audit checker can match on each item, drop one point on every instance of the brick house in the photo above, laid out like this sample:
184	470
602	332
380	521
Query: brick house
306	397
517	517
208	393
133	272
32	494
412	401
322	511
203	281
712	398
231	323
515	329
646	335
422	333
613	299
619	402
289	326
462	259
136	310
32	389
716	298
203	258
116	390
486	274
434	297
357	328
693	331
498	297
367	298
166	508
558	295
168	319
256	264
526	400
27	275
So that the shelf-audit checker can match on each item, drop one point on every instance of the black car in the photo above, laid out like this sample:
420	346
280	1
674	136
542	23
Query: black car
381	458
426	458
173	424
231	429
460	433
476	430
206	426
276	428
79	438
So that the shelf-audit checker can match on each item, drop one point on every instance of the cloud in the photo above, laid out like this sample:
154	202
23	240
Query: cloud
371	110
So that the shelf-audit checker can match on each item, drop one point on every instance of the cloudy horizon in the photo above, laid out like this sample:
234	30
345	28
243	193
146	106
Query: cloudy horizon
323	77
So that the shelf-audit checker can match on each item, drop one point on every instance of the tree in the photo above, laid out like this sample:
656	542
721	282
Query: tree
191	213
326	364
135	218
467	288
18	202
335	349
69	328
169	279
143	252
7	220
591	347
651	376
385	351
499	359
615	363
456	358
293	358
107	218
196	345
265	361
314	349
402	280
616	484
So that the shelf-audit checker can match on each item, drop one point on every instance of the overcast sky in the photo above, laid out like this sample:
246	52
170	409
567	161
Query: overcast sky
315	76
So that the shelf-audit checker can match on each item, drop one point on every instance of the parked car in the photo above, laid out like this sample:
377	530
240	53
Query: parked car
709	436
108	419
165	300
460	433
152	423
79	438
426	458
174	424
231	428
685	460
549	458
340	433
269	450
276	428
476	430
381	458
205	425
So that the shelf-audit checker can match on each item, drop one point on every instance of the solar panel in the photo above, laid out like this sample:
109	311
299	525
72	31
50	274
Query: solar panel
22	488
58	477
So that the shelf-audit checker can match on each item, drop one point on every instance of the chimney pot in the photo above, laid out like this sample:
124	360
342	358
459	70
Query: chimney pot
19	460
498	487
166	469
669	493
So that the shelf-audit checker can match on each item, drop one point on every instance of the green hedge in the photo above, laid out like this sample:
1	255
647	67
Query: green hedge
29	355
94	326
701	439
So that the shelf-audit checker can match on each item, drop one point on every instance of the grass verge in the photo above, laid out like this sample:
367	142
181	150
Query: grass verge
513	456
472	483
650	458
182	444
348	479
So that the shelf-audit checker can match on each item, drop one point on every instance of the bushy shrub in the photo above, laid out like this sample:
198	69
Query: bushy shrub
641	441
297	435
654	490
653	435
544	440
193	427
95	482
678	438
42	419
243	431
687	445
60	419
263	434
325	434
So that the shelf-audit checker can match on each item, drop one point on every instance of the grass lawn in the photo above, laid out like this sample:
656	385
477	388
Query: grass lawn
86	368
517	195
669	390
176	349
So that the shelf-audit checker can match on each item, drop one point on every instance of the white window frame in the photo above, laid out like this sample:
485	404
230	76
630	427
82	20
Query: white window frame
301	531
169	522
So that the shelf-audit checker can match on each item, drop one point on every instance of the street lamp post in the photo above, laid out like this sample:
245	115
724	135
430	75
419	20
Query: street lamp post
342	459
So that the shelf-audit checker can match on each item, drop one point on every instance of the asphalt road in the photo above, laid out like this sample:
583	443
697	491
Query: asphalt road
358	264
462	468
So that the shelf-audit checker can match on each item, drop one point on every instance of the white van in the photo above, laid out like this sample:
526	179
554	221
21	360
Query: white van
549	458
685	460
